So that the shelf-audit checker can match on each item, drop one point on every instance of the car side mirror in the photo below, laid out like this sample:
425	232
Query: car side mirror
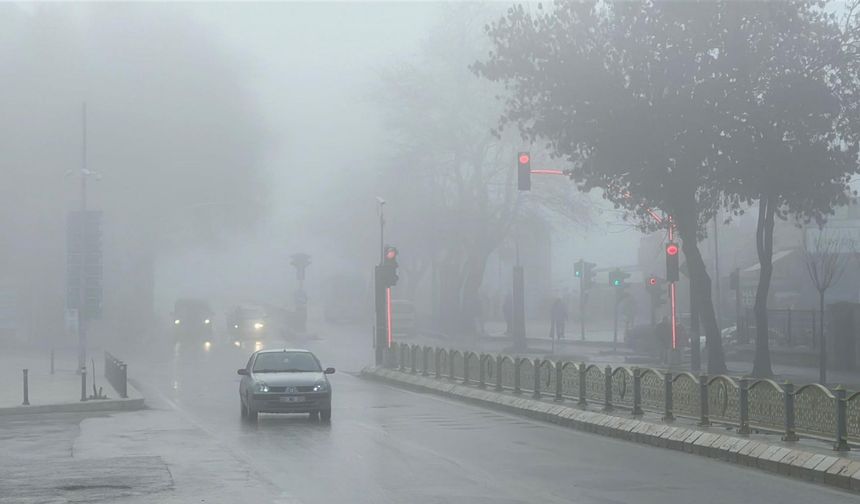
242	371
329	370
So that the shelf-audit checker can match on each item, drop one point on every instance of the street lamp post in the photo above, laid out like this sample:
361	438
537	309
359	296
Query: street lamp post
82	286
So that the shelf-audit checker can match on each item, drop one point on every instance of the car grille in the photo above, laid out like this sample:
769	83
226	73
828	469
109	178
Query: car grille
305	388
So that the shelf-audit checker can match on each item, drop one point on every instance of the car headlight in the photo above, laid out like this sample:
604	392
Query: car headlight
207	321
237	344
207	345
258	325
262	387
176	322
321	387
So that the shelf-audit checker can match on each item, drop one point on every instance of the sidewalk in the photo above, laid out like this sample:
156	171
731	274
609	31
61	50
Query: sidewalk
598	349
60	391
141	457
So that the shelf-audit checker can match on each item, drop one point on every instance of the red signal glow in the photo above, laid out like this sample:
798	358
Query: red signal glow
652	281
672	249
388	313
524	158
391	254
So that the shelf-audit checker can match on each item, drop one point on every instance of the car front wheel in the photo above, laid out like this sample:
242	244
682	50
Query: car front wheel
325	415
251	411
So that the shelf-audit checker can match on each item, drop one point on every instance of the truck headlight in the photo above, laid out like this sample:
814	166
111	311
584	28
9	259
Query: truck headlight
258	325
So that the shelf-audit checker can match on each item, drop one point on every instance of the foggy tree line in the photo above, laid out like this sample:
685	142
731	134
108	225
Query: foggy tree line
172	132
690	108
449	176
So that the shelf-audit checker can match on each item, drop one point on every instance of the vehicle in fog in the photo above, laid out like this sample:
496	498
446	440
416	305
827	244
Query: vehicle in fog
249	326
284	381
192	321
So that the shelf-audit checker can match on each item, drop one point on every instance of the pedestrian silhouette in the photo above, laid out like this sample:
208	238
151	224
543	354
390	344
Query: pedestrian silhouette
558	316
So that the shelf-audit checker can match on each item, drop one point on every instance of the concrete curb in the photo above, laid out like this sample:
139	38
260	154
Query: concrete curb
830	470
135	401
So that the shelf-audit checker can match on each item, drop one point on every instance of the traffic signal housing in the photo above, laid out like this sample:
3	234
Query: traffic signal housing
388	269
673	271
588	274
656	289
578	268
617	277
524	171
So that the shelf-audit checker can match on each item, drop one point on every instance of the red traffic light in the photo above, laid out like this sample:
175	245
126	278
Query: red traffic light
391	254
652	281
524	158
672	249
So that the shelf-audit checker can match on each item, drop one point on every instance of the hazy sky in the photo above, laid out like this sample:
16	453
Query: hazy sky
311	67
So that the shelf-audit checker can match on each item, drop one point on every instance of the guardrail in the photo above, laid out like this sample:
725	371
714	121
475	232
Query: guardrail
744	403
116	372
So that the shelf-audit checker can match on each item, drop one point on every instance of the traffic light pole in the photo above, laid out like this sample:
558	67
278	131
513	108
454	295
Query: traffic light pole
380	327
615	320
582	295
519	312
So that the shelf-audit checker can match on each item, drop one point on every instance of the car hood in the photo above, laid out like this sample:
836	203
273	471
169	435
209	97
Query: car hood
290	379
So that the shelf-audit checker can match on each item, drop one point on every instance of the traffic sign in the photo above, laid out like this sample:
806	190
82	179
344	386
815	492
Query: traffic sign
84	262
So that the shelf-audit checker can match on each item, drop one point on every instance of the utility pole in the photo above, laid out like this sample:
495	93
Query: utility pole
579	272
584	271
519	311
381	229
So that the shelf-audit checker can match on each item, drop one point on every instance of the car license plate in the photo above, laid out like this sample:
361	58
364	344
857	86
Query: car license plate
292	399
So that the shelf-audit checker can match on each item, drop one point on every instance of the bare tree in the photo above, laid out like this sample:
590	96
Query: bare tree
826	261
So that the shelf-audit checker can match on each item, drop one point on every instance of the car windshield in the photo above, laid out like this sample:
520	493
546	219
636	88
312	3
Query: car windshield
286	362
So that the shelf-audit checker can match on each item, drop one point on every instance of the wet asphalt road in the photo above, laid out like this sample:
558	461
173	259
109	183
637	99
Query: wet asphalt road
387	445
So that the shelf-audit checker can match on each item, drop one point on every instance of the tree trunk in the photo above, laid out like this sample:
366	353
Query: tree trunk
449	298
764	247
470	300
701	282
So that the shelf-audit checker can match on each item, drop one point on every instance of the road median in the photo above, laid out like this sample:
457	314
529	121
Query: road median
134	401
800	461
35	384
